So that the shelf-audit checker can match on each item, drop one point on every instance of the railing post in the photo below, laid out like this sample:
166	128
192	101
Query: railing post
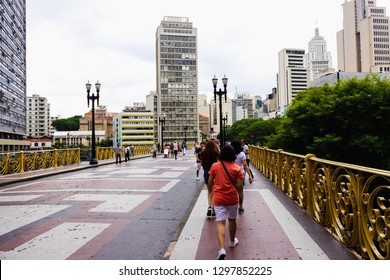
79	156
55	156
279	169
21	162
309	184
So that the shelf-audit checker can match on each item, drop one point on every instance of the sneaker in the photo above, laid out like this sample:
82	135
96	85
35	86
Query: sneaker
234	243
209	210
241	210
213	214
221	254
197	178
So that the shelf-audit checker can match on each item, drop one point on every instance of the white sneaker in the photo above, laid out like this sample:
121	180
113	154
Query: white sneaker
197	179
234	243
221	254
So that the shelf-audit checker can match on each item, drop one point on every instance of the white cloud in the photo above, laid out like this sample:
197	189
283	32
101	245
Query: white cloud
71	41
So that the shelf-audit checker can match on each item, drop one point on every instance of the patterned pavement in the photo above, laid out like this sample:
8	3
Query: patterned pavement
148	209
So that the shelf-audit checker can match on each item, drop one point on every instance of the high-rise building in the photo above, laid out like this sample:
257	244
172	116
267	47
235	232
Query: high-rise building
363	45
292	76
13	75
38	116
318	57
177	79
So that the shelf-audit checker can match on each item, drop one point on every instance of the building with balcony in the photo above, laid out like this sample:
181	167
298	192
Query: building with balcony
134	126
38	116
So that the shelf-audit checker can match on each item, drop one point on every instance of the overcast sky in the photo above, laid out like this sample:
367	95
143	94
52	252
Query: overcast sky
72	41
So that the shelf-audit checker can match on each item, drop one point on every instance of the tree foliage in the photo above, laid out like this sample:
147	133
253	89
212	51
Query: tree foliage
69	124
347	122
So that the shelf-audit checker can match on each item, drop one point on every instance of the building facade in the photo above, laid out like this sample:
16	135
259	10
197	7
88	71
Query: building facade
318	57
103	121
135	126
292	76
38	116
363	45
177	79
13	75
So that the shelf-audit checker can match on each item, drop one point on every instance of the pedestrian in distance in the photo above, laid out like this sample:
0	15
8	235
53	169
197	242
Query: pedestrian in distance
208	157
184	148
245	148
198	150
127	153
226	181
175	149
241	161
118	152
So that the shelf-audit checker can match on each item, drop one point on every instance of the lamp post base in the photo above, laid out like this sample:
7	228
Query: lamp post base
93	161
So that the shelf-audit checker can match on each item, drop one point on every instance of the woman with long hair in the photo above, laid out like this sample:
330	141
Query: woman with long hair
208	157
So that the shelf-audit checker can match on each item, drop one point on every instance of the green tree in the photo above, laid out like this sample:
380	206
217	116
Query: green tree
346	122
69	124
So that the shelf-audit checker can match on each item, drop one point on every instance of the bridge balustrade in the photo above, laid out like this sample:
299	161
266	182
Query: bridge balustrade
352	202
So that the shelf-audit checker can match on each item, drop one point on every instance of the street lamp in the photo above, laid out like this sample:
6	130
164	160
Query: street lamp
93	97
220	93
161	119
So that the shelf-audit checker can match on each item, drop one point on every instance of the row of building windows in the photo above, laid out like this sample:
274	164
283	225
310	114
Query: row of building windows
380	27
381	20
382	58
381	51
178	62
177	50
381	46
177	44
178	38
382	39
180	31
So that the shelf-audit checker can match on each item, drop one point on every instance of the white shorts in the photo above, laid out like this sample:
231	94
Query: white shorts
223	212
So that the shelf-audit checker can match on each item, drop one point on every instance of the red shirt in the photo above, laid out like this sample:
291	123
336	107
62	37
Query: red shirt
224	192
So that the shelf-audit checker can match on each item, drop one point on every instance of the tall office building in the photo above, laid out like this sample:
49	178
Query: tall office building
292	76
318	57
363	44
177	79
38	116
12	75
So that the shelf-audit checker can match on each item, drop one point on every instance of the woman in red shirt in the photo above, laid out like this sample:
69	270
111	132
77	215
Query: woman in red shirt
226	196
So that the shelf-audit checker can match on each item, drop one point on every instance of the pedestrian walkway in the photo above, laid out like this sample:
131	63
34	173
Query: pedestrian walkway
129	212
272	227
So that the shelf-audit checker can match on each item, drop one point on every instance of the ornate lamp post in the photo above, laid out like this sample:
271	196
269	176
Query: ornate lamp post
220	93
161	119
93	97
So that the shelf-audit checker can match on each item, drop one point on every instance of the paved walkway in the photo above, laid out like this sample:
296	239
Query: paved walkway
272	228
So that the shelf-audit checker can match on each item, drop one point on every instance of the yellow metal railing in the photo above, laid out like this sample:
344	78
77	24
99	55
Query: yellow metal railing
352	202
24	161
19	162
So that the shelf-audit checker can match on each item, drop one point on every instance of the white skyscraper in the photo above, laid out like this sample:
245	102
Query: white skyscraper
318	58
292	76
363	45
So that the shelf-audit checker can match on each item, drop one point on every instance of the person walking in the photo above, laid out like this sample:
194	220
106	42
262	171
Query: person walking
175	149
245	147
198	150
208	157
226	181
241	161
118	152
184	147
127	153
